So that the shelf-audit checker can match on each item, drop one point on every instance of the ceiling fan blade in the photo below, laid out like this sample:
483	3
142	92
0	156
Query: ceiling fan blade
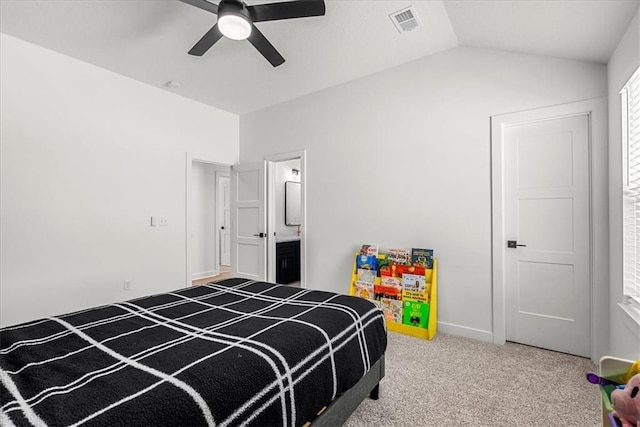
260	42
208	40
286	10
202	4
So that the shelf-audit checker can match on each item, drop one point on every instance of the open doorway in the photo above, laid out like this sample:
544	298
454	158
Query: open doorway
286	217
207	245
259	221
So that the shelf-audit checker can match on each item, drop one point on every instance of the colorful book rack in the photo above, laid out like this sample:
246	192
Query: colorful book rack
408	311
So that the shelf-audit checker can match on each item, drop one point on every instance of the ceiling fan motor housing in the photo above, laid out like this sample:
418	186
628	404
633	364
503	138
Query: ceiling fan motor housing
234	7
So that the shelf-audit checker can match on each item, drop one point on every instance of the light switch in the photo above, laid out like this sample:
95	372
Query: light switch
154	221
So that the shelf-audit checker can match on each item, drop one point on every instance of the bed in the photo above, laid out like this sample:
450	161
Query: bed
233	352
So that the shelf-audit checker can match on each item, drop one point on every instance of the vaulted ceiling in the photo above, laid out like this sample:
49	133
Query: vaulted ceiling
148	40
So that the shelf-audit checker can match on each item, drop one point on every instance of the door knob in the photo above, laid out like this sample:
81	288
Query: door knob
513	244
260	235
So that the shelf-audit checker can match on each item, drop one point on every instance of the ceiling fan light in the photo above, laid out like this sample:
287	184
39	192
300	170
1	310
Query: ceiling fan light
235	27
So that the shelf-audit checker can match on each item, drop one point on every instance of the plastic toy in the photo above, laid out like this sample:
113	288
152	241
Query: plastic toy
594	378
625	400
621	396
626	403
633	370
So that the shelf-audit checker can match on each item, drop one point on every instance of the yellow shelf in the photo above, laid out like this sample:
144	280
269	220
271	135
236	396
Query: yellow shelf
431	278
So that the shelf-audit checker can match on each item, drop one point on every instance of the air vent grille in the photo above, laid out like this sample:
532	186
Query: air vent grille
406	19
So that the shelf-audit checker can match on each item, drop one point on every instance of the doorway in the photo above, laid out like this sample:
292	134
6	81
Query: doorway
286	195
543	226
287	224
207	183
260	222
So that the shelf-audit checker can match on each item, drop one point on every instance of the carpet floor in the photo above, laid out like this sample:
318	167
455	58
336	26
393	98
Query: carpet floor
454	381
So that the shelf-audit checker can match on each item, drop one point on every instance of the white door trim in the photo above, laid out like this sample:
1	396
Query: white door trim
219	215
189	159
596	109
271	243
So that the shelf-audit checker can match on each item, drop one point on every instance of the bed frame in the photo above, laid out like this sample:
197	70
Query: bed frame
341	409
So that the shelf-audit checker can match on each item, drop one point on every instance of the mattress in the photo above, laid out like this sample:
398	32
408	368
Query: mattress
228	353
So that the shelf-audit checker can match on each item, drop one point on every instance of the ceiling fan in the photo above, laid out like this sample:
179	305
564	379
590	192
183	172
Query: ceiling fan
236	21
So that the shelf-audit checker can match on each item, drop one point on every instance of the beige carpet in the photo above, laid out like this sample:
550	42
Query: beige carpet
453	381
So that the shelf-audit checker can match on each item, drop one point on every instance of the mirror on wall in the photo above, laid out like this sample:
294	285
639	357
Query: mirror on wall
291	203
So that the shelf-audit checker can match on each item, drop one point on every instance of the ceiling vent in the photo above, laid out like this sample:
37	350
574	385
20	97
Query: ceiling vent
406	19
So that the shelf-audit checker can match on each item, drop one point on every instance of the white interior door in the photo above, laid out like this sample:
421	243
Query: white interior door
225	227
546	213
248	221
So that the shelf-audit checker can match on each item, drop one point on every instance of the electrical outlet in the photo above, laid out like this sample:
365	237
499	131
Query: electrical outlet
163	221
127	285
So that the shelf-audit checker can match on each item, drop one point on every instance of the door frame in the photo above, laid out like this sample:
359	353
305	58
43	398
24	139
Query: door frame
220	214
271	213
596	110
189	159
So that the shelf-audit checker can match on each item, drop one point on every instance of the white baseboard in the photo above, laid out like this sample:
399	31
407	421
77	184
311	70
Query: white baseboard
466	332
196	276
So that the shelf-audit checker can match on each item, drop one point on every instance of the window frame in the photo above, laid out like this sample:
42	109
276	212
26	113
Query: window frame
630	127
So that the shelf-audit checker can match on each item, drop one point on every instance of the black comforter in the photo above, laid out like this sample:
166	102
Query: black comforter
227	353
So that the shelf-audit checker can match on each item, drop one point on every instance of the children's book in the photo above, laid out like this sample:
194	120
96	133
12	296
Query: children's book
366	262
367	276
364	290
392	309
416	313
400	270
399	256
389	287
413	282
422	257
369	250
414	287
384	268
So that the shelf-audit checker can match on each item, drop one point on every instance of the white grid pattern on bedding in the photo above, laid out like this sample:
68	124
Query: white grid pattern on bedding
284	376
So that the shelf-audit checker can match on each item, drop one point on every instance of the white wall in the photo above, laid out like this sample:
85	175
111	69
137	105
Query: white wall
625	333
283	174
402	158
87	157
